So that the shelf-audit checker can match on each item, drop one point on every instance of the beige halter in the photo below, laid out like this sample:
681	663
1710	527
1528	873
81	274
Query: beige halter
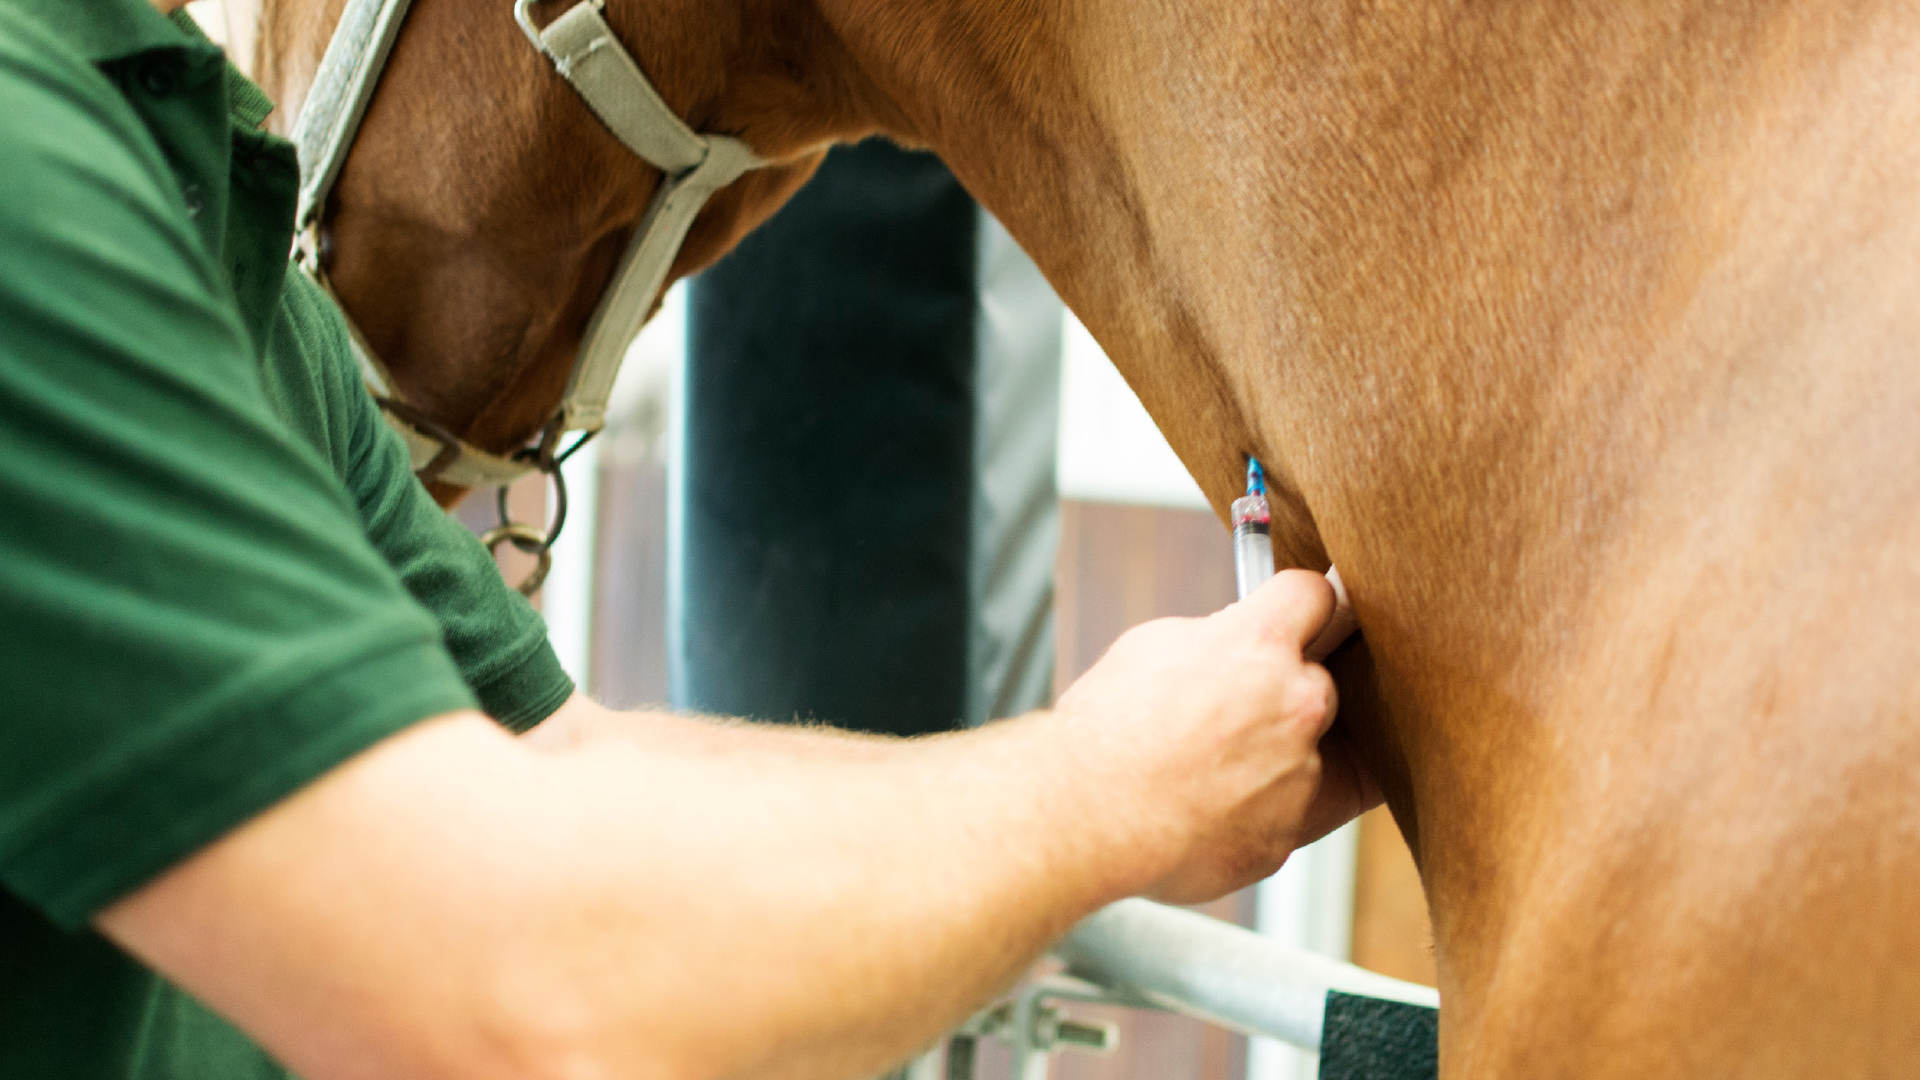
585	52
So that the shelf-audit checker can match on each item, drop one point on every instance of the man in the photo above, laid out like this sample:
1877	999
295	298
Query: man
249	783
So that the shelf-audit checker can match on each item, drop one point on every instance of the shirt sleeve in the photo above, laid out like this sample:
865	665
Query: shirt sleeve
194	624
495	636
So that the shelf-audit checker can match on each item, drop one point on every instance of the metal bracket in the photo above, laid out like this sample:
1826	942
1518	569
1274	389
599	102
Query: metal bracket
1034	1026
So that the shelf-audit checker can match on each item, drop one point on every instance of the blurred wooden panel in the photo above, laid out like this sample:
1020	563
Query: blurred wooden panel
1392	932
629	666
1120	566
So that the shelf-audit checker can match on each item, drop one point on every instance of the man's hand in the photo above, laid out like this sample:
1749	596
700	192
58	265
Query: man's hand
1216	723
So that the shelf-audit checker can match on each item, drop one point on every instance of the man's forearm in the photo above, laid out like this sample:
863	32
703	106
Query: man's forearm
653	910
781	835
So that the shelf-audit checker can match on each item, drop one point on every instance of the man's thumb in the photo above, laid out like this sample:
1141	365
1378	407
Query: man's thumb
1292	606
1305	609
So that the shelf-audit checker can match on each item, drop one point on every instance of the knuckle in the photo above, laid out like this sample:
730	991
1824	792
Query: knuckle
1310	694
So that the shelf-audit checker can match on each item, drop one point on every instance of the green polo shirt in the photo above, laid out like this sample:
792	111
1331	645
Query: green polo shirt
218	578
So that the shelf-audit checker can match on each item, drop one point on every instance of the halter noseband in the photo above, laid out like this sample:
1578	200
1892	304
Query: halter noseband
585	52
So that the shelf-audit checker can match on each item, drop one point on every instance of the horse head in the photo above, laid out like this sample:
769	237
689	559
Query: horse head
483	208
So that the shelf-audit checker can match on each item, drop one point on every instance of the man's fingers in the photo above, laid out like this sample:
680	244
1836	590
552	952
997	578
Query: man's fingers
1346	791
1293	606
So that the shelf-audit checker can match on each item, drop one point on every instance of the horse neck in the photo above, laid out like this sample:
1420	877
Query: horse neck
1510	299
1428	240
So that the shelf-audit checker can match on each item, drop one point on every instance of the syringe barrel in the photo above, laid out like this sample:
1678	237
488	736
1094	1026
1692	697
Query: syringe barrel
1252	541
1252	556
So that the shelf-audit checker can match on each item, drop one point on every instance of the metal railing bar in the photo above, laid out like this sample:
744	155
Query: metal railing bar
1186	962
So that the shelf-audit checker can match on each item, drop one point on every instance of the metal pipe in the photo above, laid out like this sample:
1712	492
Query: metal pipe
1186	962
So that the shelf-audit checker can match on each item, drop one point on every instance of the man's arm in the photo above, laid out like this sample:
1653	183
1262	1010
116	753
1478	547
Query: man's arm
456	902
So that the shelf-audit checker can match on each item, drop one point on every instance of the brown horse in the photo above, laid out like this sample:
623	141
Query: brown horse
1582	335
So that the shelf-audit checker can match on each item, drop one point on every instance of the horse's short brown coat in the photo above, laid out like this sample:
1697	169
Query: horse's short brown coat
1584	336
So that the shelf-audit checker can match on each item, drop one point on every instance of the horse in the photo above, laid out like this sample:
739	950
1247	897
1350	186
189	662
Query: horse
1582	336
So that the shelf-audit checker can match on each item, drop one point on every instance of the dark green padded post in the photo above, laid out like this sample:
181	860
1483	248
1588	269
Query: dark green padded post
820	556
1371	1039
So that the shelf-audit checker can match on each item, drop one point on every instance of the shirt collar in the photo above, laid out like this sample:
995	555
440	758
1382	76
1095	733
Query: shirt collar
246	103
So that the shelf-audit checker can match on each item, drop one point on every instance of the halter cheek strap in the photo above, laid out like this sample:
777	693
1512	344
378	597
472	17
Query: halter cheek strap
585	52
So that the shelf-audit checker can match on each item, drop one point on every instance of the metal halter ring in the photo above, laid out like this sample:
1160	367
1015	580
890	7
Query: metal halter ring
528	539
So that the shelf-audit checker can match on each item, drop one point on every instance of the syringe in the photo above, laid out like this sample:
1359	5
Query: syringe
1252	532
1253	562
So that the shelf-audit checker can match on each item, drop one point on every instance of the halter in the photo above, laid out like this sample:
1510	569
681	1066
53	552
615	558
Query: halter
584	51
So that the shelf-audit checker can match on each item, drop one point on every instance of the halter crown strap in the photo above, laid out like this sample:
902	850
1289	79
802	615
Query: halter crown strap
586	54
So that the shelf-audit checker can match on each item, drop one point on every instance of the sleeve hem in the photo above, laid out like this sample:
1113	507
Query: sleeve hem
526	692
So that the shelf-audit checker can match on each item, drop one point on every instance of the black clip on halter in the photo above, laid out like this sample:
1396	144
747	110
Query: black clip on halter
526	537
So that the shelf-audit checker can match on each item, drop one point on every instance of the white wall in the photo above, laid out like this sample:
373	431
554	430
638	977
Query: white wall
212	17
1110	450
232	24
1308	904
566	600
